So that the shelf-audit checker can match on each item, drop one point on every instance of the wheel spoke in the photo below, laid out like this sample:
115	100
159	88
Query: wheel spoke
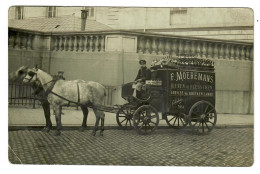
171	119
182	121
153	122
196	117
150	126
121	116
175	121
130	123
153	116
207	125
206	108
211	122
123	112
196	114
126	122
141	126
123	120
210	111
203	126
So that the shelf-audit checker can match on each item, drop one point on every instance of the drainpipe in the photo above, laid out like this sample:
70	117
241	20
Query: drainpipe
84	14
50	46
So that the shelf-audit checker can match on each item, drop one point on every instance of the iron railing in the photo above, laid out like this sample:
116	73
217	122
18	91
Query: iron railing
21	95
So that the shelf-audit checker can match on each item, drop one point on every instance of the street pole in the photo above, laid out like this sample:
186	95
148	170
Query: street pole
123	66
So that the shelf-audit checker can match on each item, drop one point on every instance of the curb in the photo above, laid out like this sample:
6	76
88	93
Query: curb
22	127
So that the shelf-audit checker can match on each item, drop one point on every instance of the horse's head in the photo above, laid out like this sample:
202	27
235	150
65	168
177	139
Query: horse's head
31	75
18	75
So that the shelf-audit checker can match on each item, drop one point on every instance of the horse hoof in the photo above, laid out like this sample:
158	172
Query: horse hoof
57	133
94	133
46	129
81	129
101	133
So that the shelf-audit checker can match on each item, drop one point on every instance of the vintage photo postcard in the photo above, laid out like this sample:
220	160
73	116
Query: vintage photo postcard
131	86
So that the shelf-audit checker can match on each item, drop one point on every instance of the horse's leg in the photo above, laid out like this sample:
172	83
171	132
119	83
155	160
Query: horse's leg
102	123
47	114
85	116
97	121
57	110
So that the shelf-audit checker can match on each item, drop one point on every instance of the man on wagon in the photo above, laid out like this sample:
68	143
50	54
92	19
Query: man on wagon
144	74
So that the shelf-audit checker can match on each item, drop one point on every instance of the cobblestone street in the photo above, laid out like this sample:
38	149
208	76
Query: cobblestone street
165	147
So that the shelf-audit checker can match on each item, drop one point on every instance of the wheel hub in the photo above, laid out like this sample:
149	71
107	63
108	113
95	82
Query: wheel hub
147	120
128	116
203	116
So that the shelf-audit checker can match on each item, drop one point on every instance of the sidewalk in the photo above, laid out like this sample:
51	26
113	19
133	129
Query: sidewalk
35	117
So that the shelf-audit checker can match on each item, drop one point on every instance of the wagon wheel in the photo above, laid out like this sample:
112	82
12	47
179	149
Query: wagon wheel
145	119
202	117
176	121
124	116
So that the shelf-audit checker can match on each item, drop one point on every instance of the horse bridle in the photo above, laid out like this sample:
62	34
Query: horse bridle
32	74
49	90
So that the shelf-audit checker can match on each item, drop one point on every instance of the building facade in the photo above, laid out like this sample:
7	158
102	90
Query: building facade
217	23
108	49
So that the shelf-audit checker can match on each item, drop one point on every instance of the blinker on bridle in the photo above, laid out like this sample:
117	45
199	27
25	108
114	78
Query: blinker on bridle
31	74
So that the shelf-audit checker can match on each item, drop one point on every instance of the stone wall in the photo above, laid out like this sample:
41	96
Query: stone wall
85	56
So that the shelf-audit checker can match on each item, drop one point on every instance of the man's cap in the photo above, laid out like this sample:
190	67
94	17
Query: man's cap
60	72
142	62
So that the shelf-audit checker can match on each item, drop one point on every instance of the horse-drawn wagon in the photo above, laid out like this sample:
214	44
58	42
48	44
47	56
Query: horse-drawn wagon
182	90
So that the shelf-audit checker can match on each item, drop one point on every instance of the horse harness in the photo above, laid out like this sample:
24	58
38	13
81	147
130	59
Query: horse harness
49	90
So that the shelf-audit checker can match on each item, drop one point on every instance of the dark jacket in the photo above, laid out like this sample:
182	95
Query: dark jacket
144	74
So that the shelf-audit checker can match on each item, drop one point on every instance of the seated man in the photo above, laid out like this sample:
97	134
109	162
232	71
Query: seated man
143	74
59	76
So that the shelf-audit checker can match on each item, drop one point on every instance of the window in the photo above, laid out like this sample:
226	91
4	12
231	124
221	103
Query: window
91	11
51	12
178	16
178	11
19	13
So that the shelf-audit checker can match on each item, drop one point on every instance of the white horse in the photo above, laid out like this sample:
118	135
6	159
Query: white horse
63	93
18	76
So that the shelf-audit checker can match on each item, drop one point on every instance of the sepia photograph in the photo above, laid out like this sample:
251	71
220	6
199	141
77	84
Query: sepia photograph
131	86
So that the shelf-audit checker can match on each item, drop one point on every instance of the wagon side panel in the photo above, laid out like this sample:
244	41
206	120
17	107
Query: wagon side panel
187	87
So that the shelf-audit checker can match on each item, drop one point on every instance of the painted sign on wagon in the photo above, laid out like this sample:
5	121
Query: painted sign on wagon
192	83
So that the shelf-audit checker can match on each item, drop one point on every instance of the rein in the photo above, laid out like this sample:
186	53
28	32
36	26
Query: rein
77	103
49	90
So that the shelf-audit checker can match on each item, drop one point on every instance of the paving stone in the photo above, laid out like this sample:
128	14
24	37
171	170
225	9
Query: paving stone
165	147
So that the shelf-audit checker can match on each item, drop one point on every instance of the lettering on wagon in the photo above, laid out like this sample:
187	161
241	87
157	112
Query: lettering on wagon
190	75
191	86
192	93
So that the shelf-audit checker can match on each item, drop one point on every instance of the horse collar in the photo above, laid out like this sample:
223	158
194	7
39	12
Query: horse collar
51	87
